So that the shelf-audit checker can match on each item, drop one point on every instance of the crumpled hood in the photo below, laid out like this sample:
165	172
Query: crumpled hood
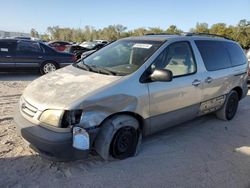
58	90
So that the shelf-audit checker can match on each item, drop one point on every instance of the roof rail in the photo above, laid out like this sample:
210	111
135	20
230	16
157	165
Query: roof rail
191	34
205	34
160	34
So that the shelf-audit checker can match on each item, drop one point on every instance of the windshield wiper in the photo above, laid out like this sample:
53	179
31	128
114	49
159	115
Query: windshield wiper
96	69
103	70
83	66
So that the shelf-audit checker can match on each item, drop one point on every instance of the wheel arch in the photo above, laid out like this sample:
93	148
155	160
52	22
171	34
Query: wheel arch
107	131
47	61
138	117
239	91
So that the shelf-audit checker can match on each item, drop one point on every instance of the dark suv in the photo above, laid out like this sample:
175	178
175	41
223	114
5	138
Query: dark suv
16	54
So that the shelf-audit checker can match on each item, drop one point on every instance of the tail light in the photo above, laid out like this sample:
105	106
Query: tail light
74	58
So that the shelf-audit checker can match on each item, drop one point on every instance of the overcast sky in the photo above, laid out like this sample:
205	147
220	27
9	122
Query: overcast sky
22	15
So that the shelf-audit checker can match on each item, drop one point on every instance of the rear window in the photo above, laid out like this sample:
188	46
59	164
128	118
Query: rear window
215	56
236	53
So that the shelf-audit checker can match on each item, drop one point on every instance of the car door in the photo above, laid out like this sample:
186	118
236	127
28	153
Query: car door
218	67
178	100
6	54
28	54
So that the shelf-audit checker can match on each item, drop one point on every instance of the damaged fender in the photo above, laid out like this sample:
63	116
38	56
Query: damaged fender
94	113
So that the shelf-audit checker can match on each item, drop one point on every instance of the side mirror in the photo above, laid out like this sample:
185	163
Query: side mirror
162	75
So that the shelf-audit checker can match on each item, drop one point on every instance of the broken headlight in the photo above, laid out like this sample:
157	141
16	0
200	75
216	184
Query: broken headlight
71	117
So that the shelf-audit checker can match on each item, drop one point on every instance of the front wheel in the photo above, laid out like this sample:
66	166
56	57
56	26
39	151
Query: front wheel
48	67
119	138
228	111
124	143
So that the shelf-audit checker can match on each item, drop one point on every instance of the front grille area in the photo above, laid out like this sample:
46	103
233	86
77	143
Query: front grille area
27	108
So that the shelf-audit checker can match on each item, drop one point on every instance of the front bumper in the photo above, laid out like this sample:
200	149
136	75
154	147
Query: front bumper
52	145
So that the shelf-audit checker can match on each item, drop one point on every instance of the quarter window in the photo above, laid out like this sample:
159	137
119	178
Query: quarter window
178	58
6	47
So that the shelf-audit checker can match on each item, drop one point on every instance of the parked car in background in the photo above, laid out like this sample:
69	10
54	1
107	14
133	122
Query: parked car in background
78	50
85	54
16	54
132	88
59	45
92	45
101	41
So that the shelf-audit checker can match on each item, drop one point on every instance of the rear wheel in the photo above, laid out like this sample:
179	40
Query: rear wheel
48	67
228	111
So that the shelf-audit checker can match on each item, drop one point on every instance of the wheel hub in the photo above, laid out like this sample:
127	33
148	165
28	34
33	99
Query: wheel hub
124	142
49	67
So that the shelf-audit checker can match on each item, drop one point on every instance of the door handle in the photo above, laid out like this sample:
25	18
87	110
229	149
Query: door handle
208	80
196	82
40	57
8	56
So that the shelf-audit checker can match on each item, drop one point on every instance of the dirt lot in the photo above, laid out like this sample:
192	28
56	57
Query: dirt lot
203	153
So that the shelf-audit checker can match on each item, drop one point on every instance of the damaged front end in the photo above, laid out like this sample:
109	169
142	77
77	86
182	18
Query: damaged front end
58	135
84	128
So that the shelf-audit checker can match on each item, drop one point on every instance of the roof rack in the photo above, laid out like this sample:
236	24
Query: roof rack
192	34
160	34
205	34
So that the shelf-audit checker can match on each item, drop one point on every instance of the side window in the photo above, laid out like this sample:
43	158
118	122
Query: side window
178	58
215	56
47	49
6	47
236	53
28	47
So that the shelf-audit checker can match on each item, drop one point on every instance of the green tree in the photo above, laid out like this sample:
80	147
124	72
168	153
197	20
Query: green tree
200	28
242	33
219	29
139	32
155	30
34	33
173	30
239	32
45	37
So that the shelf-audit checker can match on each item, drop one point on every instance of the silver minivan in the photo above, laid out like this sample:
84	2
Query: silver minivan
131	88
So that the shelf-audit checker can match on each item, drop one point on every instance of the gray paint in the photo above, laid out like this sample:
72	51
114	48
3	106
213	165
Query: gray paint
157	103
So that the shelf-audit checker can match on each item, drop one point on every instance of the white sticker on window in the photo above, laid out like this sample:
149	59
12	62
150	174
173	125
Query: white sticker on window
4	49
146	46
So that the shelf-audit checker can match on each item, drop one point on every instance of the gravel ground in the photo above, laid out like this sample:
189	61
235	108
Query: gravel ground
205	152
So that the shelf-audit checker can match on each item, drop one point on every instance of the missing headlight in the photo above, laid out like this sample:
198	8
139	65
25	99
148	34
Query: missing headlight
71	118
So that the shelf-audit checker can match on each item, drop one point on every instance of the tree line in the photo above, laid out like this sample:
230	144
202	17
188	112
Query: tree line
239	32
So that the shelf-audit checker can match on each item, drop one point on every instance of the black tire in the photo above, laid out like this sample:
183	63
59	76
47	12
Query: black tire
48	66
124	143
112	131
229	109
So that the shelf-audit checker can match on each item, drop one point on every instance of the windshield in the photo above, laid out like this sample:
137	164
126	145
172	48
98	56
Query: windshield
121	57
